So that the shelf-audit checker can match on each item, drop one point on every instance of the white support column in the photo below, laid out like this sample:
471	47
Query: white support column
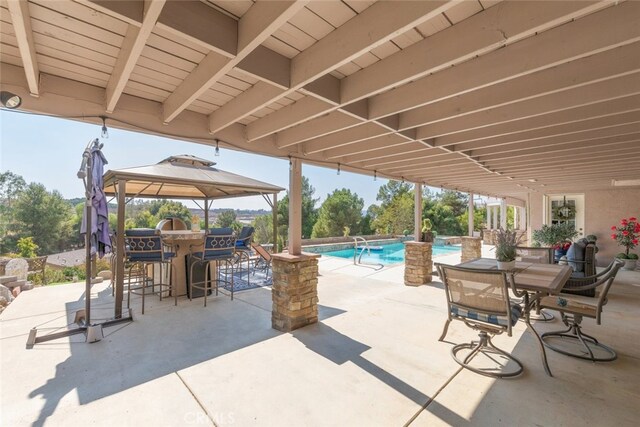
489	223
503	214
471	214
418	213
523	218
495	217
516	226
295	207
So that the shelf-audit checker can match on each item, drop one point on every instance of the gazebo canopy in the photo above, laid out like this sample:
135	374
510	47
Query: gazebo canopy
185	177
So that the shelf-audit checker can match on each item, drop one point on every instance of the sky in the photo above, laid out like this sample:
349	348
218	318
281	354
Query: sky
49	151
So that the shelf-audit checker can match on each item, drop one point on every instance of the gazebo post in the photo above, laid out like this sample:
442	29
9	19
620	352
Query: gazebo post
274	214
122	189
206	215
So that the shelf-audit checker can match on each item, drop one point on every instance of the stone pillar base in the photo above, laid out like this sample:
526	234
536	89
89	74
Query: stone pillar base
417	263
295	291
471	248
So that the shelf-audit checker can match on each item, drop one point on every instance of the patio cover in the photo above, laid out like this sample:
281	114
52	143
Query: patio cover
184	177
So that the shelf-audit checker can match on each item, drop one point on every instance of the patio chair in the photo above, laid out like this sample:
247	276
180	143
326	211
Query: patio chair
574	308
480	299
243	248
219	249
540	255
144	249
581	256
263	262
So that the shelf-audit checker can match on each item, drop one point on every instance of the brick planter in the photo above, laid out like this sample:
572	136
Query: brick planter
294	291
417	263
471	248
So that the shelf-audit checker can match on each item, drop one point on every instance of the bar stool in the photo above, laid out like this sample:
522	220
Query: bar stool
144	249
243	248
219	248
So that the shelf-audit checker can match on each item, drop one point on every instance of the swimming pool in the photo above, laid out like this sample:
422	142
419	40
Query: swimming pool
390	254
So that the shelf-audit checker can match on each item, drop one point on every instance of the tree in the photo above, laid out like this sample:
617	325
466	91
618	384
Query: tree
341	209
11	185
45	216
396	212
479	218
173	209
263	225
228	219
309	211
389	191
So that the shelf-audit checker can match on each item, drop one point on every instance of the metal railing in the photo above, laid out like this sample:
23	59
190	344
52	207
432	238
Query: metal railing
357	258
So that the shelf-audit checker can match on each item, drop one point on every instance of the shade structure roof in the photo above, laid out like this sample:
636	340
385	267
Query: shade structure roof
184	177
495	97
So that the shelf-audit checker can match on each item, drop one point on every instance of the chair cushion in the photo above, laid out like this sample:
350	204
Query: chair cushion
214	255
516	312
150	256
576	253
225	231
245	232
141	232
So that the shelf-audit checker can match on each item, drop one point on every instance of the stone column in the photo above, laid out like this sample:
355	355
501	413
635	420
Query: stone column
294	292
471	248
417	263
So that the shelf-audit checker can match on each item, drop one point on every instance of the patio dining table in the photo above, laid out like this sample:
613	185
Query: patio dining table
181	242
537	280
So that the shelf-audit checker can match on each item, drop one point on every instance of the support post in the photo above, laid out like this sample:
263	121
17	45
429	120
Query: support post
295	207
470	224
523	218
495	217
122	188
503	214
489	223
206	215
274	215
516	226
418	213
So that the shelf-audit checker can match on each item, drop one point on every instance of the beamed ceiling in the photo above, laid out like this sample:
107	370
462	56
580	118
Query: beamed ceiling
494	97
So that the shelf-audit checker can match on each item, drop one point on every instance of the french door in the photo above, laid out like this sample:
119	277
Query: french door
566	209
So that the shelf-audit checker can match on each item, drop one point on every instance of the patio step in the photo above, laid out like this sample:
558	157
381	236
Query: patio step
7	279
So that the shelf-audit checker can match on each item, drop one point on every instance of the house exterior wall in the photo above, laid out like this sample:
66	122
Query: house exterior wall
603	208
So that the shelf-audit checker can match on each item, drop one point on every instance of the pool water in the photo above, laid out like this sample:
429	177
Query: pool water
390	254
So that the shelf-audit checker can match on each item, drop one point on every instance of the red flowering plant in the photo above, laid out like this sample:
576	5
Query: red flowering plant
627	234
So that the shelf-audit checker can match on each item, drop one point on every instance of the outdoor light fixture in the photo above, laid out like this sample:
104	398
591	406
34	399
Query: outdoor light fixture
105	132
338	168
217	154
9	100
290	164
375	175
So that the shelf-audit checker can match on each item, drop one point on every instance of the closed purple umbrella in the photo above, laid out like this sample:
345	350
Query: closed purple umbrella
99	238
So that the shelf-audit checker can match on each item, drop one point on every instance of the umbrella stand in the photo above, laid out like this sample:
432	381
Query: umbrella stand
92	331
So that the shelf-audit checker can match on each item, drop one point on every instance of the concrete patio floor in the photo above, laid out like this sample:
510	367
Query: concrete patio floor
372	360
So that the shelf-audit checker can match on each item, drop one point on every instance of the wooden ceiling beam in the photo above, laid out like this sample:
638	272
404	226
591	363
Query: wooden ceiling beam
483	136
255	26
562	44
373	144
598	92
627	135
603	66
363	132
21	20
134	41
483	32
569	139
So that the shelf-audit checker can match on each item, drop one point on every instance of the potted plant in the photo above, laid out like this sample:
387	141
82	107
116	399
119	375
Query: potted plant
427	234
557	236
506	242
626	234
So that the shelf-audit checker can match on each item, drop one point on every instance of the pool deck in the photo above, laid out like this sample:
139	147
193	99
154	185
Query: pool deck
373	359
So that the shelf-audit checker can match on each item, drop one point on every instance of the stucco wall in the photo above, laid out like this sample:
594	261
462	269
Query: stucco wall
603	208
